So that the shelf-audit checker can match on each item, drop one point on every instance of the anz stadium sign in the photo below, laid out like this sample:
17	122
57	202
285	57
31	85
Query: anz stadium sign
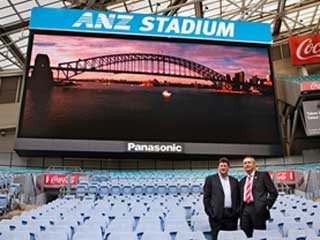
150	25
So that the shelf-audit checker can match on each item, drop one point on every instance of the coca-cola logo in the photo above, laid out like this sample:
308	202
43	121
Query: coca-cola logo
285	176
307	49
315	85
60	179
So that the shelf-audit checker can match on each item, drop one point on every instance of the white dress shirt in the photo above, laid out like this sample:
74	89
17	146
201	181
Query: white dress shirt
225	182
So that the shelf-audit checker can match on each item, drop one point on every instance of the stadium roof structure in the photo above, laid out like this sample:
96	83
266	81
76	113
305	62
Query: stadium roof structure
287	17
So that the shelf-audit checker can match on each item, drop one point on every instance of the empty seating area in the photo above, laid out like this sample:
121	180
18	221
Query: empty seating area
9	192
139	205
107	207
115	216
139	186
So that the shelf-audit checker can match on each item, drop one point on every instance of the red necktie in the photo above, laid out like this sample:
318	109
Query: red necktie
248	190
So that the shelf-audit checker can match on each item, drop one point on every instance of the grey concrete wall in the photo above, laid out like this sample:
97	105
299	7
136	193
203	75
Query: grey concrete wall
13	160
7	140
311	156
284	67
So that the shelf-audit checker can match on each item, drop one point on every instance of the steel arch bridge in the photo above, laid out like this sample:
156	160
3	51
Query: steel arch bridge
139	63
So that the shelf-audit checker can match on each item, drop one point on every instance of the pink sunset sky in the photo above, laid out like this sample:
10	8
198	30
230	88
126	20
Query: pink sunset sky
222	59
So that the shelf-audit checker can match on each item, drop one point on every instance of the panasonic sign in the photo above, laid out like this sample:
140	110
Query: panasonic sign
154	147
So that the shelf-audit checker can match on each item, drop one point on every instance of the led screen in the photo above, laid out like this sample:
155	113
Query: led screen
116	90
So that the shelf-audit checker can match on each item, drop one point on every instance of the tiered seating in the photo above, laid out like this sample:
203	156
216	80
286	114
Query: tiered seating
165	215
133	205
9	192
143	186
114	216
293	216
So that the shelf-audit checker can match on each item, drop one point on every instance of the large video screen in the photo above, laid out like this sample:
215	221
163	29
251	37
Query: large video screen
113	91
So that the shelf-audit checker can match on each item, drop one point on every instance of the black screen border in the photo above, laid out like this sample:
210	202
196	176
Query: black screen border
273	149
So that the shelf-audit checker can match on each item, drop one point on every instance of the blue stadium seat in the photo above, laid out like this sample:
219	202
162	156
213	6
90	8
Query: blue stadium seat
116	190
232	235
127	190
138	189
173	189
196	189
149	189
190	235
162	190
184	189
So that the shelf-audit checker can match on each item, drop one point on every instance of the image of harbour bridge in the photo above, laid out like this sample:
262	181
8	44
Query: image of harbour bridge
115	89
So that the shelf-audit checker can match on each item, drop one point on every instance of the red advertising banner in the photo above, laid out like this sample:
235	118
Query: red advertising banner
305	49
60	179
310	85
285	176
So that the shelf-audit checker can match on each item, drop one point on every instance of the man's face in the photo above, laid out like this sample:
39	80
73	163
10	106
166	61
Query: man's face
249	165
223	168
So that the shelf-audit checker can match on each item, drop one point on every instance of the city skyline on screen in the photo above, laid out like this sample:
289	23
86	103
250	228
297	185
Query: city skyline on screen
118	91
253	61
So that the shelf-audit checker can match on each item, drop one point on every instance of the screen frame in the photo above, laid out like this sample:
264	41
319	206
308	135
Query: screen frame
77	147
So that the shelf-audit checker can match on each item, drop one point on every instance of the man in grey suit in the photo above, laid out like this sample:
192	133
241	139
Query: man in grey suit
221	199
257	195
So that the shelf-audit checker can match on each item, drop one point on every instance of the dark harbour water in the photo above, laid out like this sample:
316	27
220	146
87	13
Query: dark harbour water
131	112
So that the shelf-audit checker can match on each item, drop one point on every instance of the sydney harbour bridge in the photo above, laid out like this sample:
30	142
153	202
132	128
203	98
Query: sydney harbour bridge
139	63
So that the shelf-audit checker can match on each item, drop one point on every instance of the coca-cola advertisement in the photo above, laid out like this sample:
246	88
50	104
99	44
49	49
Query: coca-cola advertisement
60	179
285	176
305	49
311	85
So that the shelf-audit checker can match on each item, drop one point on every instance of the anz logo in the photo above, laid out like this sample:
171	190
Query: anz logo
105	21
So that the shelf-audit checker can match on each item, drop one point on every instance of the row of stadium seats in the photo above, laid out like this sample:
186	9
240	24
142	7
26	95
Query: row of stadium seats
105	189
171	217
107	174
9	193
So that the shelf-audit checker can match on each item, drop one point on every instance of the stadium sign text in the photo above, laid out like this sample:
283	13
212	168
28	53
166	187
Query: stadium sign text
158	24
154	148
91	21
305	49
310	85
60	179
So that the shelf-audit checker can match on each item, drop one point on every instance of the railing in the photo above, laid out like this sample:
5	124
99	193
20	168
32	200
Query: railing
283	187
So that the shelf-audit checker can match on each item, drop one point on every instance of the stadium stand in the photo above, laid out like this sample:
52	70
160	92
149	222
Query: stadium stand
167	215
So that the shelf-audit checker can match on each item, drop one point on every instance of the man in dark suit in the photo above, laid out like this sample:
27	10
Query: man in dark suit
257	195
221	199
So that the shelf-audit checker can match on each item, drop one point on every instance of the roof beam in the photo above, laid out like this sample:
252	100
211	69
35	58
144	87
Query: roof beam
198	9
12	28
10	60
173	11
13	49
278	22
270	15
150	5
283	36
317	27
251	10
186	3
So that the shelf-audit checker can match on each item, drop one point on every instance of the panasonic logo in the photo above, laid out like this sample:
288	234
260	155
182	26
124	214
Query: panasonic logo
155	148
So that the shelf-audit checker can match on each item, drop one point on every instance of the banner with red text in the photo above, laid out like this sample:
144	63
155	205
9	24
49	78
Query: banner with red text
310	85
60	179
285	176
305	49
